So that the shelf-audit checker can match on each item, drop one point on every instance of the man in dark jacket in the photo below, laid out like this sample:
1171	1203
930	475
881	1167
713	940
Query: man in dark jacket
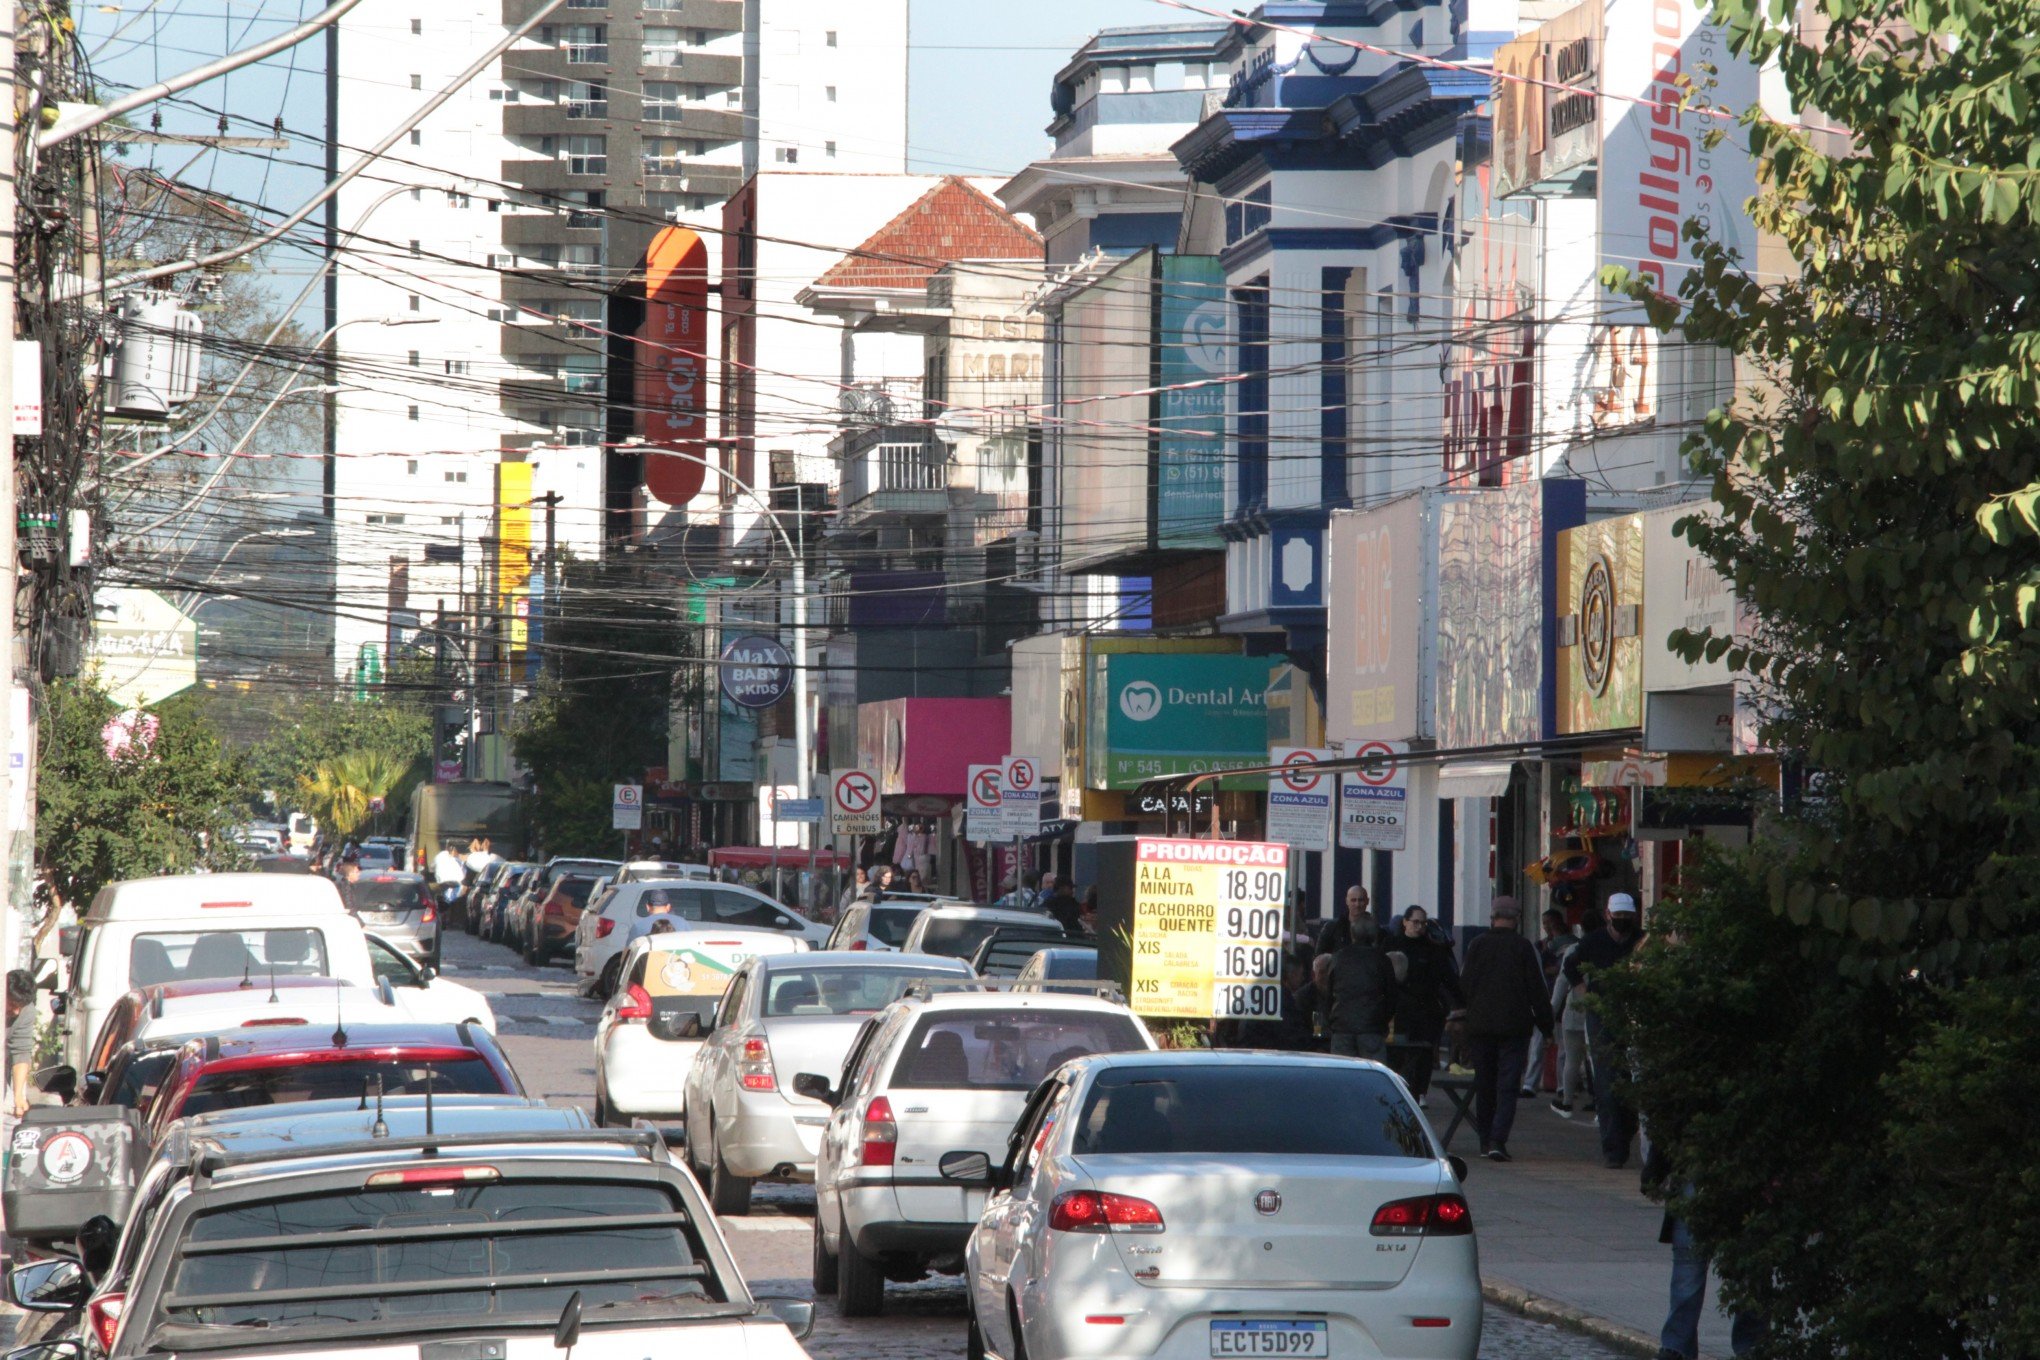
1060	901
1505	1000
1429	990
1338	932
1357	987
1600	951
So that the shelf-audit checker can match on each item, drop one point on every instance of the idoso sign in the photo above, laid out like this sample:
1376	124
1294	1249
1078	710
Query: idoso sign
757	671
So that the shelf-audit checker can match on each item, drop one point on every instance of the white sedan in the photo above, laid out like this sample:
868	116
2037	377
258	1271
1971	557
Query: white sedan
420	992
1203	1205
669	987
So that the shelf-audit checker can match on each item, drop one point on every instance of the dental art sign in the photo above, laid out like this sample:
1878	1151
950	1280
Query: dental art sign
1170	713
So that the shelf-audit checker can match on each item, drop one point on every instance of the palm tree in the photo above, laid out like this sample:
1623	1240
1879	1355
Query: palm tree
341	790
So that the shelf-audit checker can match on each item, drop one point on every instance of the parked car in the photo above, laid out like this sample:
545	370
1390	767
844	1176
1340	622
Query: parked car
285	1064
1004	952
957	931
928	1076
551	1214
536	887
877	926
505	891
647	870
784	1013
481	890
398	907
1074	964
1180	1195
549	925
421	993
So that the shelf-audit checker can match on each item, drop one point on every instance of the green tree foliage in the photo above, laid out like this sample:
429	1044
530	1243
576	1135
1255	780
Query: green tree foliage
600	715
312	731
167	808
341	791
1840	1052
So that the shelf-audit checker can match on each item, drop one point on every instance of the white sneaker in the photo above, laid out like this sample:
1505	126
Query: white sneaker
1424	1100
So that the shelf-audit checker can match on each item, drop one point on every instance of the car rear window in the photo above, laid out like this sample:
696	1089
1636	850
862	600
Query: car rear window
191	955
1006	1050
234	1090
413	1254
892	925
381	894
1071	963
839	991
679	902
1249	1110
574	890
957	937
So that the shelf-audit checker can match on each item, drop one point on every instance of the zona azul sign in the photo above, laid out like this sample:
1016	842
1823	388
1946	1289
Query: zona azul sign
757	671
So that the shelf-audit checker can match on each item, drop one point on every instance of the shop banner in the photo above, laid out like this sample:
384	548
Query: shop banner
1207	928
1300	800
1374	802
1196	356
1182	714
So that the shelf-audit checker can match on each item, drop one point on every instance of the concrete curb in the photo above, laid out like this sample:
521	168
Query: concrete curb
1517	1299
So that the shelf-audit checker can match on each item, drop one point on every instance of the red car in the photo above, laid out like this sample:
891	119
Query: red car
554	920
285	1064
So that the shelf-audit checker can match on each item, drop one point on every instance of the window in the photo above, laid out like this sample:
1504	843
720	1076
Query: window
576	309
829	93
494	314
414	302
414	247
386	519
583	206
830	37
414	358
502	262
836	991
581	259
417	137
417	81
662	101
586	4
829	150
662	46
413	413
666	205
411	466
586	154
587	99
283	1084
1241	1111
456	476
416	194
417	26
456	367
662	156
669	5
786	155
1006	1051
583	372
196	955
586	42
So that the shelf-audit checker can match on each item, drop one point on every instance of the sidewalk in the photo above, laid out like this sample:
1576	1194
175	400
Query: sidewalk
1564	1238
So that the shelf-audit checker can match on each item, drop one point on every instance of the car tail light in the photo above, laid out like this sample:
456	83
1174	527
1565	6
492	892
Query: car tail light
881	1134
429	917
1427	1215
1103	1211
433	1175
637	1004
104	1315
858	944
603	927
755	1072
268	1020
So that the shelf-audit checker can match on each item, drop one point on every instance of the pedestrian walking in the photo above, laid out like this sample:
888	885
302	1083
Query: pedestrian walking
1430	989
1575	1071
854	891
1059	901
1552	943
1679	1339
1338	933
1598	952
1357	993
1505	1000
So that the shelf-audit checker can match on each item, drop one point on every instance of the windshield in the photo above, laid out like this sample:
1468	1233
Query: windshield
232	1089
891	925
840	991
1250	1110
189	955
957	938
419	1254
1009	1050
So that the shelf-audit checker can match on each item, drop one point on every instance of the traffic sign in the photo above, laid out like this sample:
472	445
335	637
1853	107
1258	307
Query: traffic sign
627	807
983	800
1374	802
1020	799
1020	774
797	810
853	804
1300	799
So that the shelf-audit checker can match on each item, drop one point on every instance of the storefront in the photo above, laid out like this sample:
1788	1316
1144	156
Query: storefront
922	750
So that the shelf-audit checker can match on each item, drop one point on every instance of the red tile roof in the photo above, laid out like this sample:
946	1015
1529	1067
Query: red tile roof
952	221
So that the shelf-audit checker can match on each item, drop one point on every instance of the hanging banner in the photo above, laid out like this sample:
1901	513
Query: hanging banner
1373	803
1207	928
1300	800
672	365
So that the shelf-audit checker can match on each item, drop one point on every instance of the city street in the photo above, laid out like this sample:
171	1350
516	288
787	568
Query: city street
546	1029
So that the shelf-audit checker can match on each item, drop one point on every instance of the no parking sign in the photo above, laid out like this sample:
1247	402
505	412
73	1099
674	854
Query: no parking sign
1374	801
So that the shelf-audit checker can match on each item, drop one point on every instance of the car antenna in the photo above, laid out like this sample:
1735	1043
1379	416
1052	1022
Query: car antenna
568	1330
339	1020
378	1129
247	963
430	1081
272	982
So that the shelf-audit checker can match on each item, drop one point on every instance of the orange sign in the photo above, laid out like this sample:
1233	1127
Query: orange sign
672	365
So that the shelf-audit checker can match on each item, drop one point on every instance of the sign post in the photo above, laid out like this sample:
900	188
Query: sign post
1020	803
627	811
1300	800
1207	928
983	799
1373	802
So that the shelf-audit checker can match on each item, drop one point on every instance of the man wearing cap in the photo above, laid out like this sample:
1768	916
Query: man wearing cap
1505	1000
1601	950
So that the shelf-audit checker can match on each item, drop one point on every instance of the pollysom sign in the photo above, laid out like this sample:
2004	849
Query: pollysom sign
1374	800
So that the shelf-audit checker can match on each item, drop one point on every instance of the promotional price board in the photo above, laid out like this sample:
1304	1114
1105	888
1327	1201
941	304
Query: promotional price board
627	808
984	796
1373	803
1207	928
1300	799
853	804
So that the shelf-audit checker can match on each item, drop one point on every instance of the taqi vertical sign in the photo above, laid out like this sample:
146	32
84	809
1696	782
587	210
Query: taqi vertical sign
672	365
1207	928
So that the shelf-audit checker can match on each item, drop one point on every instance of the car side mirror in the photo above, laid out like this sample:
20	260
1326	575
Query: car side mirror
95	1082
60	1081
427	974
695	1027
816	1087
1458	1165
55	1286
67	940
971	1168
797	1314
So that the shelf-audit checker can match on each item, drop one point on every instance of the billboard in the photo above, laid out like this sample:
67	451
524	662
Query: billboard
672	365
1196	355
1162	713
513	527
1376	637
1657	172
1208	928
1600	626
1545	116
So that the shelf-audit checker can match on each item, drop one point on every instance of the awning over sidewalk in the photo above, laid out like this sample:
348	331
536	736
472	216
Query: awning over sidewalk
1474	778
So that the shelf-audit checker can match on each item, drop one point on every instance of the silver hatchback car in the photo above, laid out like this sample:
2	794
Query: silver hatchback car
398	907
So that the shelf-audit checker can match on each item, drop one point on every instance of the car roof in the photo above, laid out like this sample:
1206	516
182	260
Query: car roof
1216	1057
195	987
1011	1000
225	896
853	958
319	1129
355	1008
315	1037
966	912
766	941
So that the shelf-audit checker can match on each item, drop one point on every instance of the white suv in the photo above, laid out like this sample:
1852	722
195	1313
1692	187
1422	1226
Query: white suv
936	1072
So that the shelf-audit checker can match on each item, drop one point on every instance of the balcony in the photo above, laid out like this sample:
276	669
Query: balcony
892	470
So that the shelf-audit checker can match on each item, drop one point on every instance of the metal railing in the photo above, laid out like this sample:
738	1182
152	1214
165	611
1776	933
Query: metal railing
895	460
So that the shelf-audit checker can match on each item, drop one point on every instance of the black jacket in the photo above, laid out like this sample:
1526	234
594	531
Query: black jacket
1430	986
1360	993
1600	949
1062	905
1505	993
1336	934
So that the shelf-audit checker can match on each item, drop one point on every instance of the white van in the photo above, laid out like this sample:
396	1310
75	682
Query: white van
194	927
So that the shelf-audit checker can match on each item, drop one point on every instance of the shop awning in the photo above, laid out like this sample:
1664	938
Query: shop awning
1474	778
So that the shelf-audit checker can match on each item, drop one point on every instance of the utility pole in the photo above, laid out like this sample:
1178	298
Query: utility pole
329	449
549	577
10	189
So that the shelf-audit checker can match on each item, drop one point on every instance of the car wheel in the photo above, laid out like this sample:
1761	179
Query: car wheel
605	986
825	1264
973	1340
860	1284
1019	1341
729	1195
534	954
